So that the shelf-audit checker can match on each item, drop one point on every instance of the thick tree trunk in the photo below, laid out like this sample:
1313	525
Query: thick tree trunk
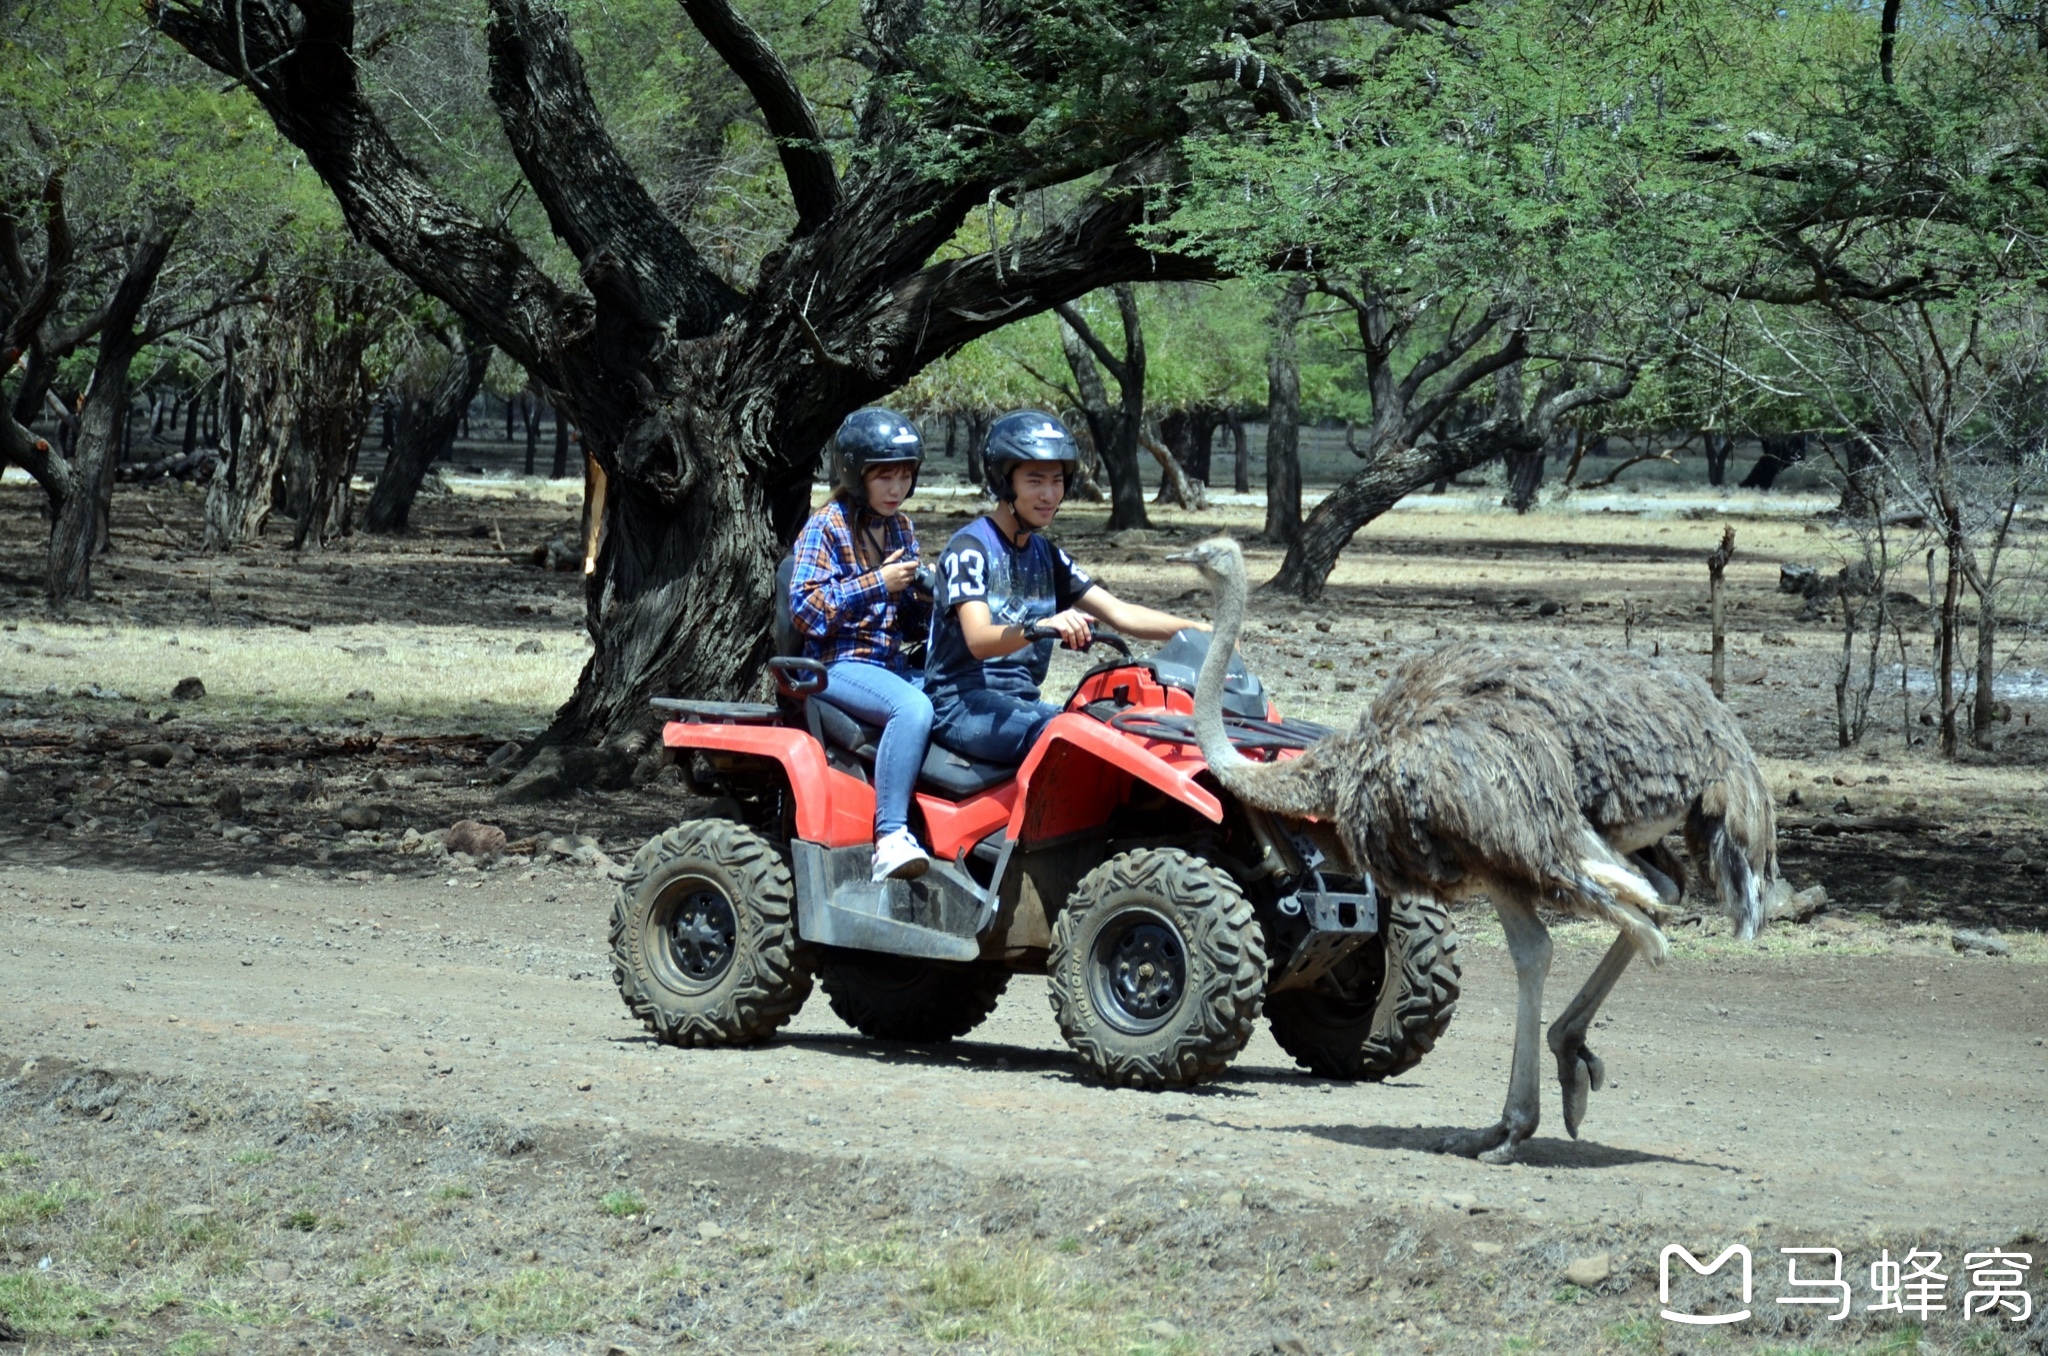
333	406
1778	453
1283	421
1115	429
682	588
1948	629
263	420
977	440
1862	479
430	411
1385	481
77	522
1525	477
78	516
1984	704
1241	443
1720	447
1187	435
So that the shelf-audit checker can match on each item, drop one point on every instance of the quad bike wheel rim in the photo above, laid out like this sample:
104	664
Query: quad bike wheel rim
695	930
1138	971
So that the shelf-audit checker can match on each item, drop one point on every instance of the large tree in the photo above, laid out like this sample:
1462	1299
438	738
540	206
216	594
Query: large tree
130	212
706	404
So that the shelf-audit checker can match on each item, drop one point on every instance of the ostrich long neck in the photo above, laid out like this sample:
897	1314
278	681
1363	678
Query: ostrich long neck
1223	758
1295	787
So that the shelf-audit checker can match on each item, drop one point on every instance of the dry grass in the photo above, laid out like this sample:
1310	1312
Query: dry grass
419	675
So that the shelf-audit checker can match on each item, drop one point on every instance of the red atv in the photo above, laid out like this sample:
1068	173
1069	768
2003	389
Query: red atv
1166	913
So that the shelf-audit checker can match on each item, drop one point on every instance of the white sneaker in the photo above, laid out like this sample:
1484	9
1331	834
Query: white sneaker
898	857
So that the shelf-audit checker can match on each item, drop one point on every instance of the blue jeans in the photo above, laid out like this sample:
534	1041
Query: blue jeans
993	727
897	704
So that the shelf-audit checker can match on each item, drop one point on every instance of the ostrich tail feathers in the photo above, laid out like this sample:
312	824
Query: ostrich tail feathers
1629	902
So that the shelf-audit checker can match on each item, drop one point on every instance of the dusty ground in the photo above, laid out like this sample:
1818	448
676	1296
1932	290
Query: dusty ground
298	1088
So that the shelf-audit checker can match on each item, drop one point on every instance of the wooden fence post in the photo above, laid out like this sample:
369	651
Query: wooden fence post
1717	565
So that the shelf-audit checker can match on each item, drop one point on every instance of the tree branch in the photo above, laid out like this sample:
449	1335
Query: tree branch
59	248
1079	324
635	259
1456	345
1254	20
241	293
805	162
309	86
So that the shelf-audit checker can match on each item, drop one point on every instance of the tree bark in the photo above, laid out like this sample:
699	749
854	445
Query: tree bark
1525	478
530	418
1779	452
77	517
1719	447
1391	476
430	409
1283	420
1983	703
263	420
1241	477
1116	428
343	316
1187	435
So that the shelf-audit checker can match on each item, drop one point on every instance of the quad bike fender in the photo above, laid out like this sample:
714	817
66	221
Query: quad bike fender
832	809
1086	769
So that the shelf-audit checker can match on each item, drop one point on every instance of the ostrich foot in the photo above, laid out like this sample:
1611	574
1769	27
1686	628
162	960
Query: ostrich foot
1496	1143
1579	1072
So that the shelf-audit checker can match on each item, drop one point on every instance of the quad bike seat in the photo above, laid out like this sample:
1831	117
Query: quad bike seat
944	772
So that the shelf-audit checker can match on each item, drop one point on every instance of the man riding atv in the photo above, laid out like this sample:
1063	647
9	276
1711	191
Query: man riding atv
998	579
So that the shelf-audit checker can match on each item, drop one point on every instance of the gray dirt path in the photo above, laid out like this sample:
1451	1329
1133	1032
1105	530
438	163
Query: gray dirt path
1800	1094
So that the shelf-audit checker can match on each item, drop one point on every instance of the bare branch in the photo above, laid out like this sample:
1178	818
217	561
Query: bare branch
310	89
1255	19
593	199
1079	324
805	162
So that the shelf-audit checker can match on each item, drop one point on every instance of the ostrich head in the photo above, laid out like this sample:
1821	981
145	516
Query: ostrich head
1219	559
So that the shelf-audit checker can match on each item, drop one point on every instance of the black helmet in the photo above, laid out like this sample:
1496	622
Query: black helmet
871	437
1021	436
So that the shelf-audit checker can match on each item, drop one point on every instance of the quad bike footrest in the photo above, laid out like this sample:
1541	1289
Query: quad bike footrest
837	905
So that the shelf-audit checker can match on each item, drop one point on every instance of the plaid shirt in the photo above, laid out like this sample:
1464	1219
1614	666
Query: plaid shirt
839	605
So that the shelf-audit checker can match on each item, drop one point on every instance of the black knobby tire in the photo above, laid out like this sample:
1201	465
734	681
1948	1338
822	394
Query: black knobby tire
704	944
1389	1001
898	998
1157	969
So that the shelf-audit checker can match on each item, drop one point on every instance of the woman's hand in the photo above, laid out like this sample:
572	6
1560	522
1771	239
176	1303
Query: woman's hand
897	572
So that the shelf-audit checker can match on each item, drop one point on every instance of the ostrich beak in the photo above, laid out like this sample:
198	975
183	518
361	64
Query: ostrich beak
1181	557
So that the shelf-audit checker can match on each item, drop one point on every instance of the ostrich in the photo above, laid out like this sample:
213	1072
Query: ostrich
1533	778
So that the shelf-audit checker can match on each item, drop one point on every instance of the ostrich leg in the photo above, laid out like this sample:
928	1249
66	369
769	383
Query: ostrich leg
1529	944
1579	1070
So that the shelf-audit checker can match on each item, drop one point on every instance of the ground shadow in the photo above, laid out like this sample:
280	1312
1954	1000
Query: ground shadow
1536	1153
1060	1064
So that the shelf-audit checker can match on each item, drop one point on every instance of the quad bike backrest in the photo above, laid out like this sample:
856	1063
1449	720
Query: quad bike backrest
787	641
1179	661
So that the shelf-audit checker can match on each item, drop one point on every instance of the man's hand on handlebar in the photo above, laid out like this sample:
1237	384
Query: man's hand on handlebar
1070	628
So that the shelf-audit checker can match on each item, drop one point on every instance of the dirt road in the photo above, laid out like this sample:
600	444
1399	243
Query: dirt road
1784	1096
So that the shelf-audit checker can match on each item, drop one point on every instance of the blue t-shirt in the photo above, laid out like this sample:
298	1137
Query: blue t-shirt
1021	585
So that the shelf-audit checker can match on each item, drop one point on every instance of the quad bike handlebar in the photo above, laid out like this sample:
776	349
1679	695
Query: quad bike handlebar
1040	631
796	677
